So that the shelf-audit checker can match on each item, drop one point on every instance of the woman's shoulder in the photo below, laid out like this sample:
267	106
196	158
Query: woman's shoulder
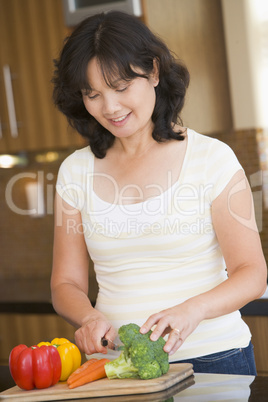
217	162
208	143
80	155
79	158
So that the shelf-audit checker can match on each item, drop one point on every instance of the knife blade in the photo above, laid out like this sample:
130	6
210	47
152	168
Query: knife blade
110	344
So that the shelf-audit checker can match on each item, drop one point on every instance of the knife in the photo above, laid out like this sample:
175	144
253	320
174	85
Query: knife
111	345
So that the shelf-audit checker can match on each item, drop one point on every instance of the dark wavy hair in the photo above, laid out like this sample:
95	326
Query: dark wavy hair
120	42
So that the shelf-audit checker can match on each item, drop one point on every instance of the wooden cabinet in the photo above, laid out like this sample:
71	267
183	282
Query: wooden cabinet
30	329
258	326
31	34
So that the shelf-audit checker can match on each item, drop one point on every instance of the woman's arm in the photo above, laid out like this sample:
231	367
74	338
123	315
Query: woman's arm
234	222
69	280
235	226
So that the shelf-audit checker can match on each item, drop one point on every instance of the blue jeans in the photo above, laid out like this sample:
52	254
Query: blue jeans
235	361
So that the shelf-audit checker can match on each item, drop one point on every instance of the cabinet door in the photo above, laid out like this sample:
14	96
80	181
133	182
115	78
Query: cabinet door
258	326
30	329
31	34
9	125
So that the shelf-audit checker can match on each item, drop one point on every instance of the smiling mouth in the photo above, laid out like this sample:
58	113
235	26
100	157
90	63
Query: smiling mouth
120	118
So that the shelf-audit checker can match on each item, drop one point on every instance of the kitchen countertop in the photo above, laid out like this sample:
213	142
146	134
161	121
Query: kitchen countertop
197	388
257	307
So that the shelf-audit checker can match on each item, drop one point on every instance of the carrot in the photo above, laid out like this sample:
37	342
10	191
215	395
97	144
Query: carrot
76	374
93	372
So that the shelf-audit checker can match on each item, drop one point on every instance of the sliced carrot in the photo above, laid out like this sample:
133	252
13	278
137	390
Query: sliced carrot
76	374
93	372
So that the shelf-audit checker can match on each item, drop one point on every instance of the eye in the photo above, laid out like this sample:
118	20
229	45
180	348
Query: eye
89	94
92	96
122	85
122	89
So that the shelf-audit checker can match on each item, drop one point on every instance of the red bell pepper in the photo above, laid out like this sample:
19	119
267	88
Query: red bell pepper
35	367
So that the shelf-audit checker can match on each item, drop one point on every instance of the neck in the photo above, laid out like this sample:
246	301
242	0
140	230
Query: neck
135	146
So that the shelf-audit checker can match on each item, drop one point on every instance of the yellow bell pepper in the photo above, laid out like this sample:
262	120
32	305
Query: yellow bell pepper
43	343
69	354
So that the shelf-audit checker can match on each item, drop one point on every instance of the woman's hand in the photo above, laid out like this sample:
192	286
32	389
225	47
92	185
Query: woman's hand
178	321
88	336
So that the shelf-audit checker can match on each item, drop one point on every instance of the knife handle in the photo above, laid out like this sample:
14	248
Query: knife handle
104	342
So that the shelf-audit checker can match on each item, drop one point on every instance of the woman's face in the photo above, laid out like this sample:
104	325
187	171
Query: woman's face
125	109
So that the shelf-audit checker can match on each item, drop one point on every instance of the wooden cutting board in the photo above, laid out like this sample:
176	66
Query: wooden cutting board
104	387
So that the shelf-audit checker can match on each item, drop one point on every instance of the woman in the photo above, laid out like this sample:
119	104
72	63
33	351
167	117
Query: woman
165	213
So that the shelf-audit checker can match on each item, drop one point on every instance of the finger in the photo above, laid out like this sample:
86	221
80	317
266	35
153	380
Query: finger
111	334
149	323
145	328
87	345
176	347
161	327
95	345
102	349
174	341
158	331
78	341
84	343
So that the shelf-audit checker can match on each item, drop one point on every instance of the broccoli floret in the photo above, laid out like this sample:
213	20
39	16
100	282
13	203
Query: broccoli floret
150	370
160	355
121	367
141	357
127	333
141	351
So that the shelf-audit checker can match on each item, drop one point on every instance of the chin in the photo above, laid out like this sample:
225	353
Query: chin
122	134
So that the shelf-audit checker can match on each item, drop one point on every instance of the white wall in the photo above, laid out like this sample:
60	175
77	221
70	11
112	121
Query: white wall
246	36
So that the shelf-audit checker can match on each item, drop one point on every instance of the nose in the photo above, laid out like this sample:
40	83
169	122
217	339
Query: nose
110	104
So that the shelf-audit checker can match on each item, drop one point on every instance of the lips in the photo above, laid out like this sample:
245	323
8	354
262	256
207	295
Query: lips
121	120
